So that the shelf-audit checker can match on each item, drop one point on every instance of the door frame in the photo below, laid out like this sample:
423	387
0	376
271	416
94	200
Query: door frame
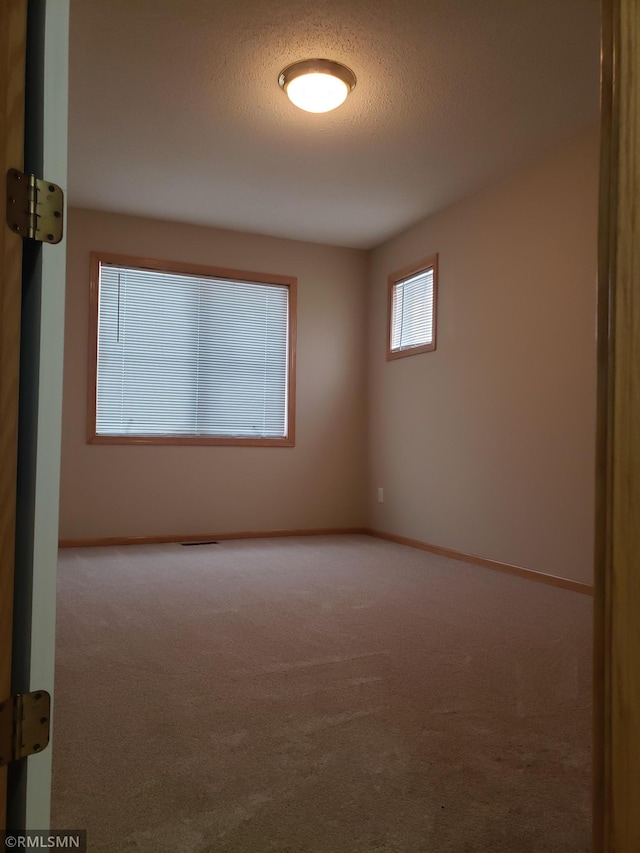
13	34
616	739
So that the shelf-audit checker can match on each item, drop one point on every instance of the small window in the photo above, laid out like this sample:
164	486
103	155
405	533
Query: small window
412	309
190	355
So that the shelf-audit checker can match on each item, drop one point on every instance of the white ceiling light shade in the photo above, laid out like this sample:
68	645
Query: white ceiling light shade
317	85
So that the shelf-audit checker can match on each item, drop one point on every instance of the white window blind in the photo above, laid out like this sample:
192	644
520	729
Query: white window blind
412	311
183	355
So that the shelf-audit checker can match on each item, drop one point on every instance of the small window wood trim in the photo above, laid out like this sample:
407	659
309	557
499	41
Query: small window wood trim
99	258
414	269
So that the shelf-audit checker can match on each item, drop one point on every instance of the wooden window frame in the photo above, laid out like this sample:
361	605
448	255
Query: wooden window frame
98	258
395	278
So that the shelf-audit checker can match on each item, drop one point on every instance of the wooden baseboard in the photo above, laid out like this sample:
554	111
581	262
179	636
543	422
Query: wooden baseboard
208	537
496	565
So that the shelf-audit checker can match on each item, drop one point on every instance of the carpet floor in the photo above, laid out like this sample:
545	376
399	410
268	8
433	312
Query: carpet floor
318	695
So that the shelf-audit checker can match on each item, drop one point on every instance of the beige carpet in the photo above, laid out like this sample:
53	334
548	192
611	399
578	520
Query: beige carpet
318	695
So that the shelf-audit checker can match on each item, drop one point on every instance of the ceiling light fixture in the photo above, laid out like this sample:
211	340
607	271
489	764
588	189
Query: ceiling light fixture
317	85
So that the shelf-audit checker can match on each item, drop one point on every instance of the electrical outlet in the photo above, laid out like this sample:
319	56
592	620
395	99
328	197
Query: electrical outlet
380	495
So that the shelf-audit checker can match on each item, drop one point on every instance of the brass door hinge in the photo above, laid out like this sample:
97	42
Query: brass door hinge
24	725
34	207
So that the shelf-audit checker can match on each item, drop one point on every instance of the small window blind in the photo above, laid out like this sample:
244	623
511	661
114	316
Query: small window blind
185	355
412	311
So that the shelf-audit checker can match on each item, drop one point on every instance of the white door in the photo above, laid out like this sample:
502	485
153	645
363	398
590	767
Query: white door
40	400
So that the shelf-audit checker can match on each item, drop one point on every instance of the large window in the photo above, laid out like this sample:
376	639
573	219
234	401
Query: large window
184	354
412	309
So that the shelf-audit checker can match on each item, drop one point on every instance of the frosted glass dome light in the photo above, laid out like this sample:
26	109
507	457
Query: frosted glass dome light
317	85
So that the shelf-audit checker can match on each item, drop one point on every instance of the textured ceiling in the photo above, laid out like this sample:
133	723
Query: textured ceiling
176	113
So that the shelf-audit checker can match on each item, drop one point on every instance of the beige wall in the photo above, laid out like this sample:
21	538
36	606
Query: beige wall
486	445
140	491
